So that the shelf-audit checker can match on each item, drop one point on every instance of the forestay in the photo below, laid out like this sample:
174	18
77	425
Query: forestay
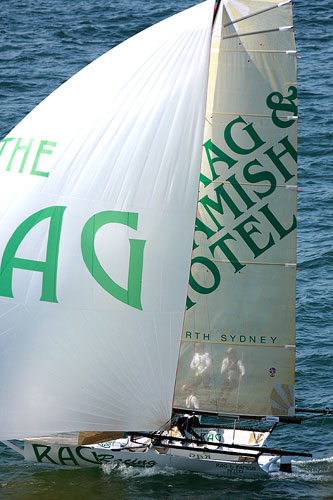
238	347
97	206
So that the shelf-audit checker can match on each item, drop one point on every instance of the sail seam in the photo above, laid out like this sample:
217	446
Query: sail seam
284	264
288	52
255	185
288	117
235	35
281	346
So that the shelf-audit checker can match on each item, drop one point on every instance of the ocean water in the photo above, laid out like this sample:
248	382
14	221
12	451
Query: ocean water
45	42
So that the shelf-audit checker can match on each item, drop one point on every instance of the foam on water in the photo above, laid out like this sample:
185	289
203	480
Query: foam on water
135	472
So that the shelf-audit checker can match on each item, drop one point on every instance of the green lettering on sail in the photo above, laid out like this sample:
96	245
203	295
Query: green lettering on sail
232	196
212	268
4	143
131	296
20	155
256	177
42	150
227	252
276	224
219	156
19	147
47	267
275	102
221	193
288	149
236	148
246	233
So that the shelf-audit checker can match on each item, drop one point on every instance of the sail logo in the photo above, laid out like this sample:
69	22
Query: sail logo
49	267
236	218
26	156
275	102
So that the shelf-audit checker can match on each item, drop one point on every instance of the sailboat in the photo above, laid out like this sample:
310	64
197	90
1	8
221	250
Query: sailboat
148	251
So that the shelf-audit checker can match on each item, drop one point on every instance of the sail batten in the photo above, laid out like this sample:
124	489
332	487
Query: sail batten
262	11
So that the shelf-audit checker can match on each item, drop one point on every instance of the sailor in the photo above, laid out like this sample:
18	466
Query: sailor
192	401
185	424
233	371
200	366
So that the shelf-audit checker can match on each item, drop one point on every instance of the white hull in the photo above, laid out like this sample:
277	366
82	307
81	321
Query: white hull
193	461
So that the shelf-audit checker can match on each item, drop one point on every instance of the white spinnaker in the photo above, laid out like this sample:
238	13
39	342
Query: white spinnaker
123	135
238	347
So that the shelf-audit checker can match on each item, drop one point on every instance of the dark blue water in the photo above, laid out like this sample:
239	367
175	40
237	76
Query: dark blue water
45	42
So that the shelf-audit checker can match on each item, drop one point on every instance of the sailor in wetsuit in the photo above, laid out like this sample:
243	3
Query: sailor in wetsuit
185	425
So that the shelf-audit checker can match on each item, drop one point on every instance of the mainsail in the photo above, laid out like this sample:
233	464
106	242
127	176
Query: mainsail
98	197
238	344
